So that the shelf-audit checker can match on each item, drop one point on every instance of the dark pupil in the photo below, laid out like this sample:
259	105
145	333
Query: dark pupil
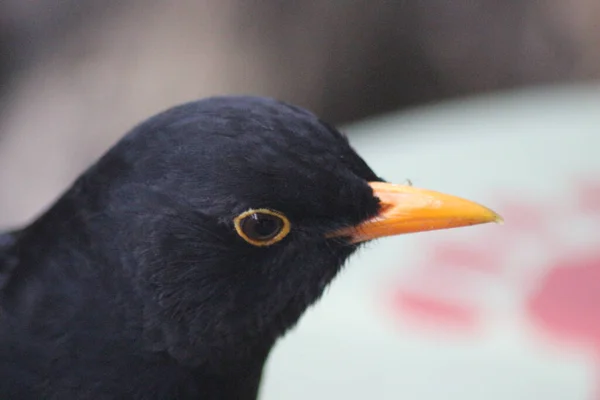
262	226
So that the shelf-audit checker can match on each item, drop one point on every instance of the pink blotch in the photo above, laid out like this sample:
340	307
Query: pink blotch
589	198
466	256
567	304
424	308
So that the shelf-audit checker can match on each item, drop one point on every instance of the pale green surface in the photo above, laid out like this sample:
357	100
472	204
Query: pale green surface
531	143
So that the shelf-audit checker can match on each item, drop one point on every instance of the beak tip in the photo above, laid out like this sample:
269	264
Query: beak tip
498	219
484	215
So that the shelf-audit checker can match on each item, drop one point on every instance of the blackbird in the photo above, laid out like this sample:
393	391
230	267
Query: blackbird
170	268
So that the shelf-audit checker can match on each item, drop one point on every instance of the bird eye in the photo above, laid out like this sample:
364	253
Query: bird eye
262	227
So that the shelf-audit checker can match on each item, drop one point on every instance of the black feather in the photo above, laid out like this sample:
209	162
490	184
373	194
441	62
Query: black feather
135	284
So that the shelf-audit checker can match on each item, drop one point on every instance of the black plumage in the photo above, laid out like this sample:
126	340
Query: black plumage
169	269
135	285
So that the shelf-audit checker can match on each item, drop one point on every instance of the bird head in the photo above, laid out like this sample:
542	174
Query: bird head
237	212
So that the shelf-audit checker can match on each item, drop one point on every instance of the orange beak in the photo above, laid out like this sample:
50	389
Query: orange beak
406	209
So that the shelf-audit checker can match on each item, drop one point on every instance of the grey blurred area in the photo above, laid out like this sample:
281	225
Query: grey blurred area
76	75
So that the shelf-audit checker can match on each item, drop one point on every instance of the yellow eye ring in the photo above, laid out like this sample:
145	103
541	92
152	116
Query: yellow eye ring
262	227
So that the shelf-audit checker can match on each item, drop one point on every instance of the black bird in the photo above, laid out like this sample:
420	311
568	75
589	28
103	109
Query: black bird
170	268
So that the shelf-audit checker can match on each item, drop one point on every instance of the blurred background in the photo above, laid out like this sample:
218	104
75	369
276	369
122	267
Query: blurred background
493	100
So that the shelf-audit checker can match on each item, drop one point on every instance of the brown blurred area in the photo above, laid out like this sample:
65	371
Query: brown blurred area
76	74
